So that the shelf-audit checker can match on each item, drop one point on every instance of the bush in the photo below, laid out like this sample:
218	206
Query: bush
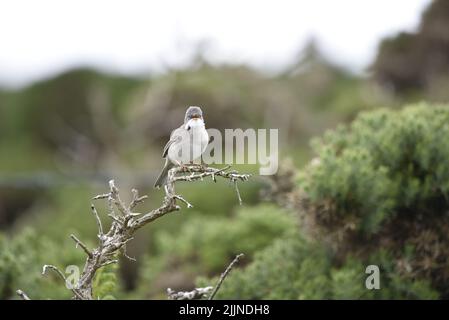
293	268
21	261
211	243
205	246
384	181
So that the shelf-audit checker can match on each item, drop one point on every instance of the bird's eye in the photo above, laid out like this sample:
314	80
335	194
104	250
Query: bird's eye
188	128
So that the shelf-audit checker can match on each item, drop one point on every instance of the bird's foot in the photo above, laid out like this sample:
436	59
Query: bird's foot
183	167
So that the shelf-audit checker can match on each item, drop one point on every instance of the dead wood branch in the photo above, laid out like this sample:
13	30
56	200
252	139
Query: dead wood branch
125	222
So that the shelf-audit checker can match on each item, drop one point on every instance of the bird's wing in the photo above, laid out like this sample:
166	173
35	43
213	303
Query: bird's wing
175	137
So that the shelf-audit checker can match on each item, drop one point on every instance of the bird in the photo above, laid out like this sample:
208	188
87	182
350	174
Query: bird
186	144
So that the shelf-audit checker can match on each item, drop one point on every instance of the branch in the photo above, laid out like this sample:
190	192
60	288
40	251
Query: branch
55	269
97	218
136	199
195	294
82	245
128	222
200	293
224	275
61	275
23	295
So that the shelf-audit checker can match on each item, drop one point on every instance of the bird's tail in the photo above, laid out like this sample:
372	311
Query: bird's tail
163	175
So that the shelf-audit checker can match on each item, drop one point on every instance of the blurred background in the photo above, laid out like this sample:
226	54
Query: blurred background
90	90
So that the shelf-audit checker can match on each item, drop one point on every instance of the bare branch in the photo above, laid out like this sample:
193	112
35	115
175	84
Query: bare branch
82	245
116	198
116	219
108	263
97	218
125	254
196	294
128	222
23	295
213	172
61	275
101	196
55	269
238	192
224	275
136	199
180	198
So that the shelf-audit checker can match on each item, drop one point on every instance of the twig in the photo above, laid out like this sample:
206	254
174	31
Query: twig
126	254
238	192
136	199
55	269
97	218
116	198
82	245
104	264
23	295
180	198
116	219
101	196
224	275
61	275
195	294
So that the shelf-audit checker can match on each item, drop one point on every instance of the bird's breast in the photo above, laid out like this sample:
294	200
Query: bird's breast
191	147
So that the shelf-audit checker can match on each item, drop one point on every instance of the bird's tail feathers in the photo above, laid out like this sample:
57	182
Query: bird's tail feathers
163	175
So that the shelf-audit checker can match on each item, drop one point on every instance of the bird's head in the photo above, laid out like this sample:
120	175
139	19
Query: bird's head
194	117
193	113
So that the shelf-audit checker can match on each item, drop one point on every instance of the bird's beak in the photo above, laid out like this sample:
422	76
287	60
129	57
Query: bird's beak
196	116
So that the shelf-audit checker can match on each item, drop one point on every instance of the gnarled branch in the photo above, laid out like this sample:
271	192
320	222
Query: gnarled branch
126	223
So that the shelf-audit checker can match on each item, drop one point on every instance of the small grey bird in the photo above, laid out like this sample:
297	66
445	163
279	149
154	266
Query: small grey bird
187	143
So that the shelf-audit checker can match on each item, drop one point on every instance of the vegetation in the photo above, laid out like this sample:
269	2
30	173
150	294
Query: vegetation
376	194
373	189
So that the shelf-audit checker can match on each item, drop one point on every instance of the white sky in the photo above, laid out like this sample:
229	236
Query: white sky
41	37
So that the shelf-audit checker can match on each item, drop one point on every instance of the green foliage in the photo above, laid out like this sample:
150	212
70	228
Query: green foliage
21	261
293	268
211	242
384	181
105	283
384	162
62	138
205	245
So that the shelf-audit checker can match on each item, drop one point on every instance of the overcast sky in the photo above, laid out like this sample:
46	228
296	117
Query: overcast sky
41	37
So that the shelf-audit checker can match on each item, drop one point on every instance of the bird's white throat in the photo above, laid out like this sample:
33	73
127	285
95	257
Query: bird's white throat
194	123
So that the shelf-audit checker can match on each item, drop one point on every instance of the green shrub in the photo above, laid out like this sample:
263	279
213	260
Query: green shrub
384	181
205	246
213	241
105	282
21	261
383	162
293	268
288	269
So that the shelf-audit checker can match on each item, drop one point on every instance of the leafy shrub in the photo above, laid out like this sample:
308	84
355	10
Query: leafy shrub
384	181
105	282
206	245
211	242
293	268
21	261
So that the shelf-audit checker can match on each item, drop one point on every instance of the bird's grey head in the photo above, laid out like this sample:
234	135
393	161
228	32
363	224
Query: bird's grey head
193	113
